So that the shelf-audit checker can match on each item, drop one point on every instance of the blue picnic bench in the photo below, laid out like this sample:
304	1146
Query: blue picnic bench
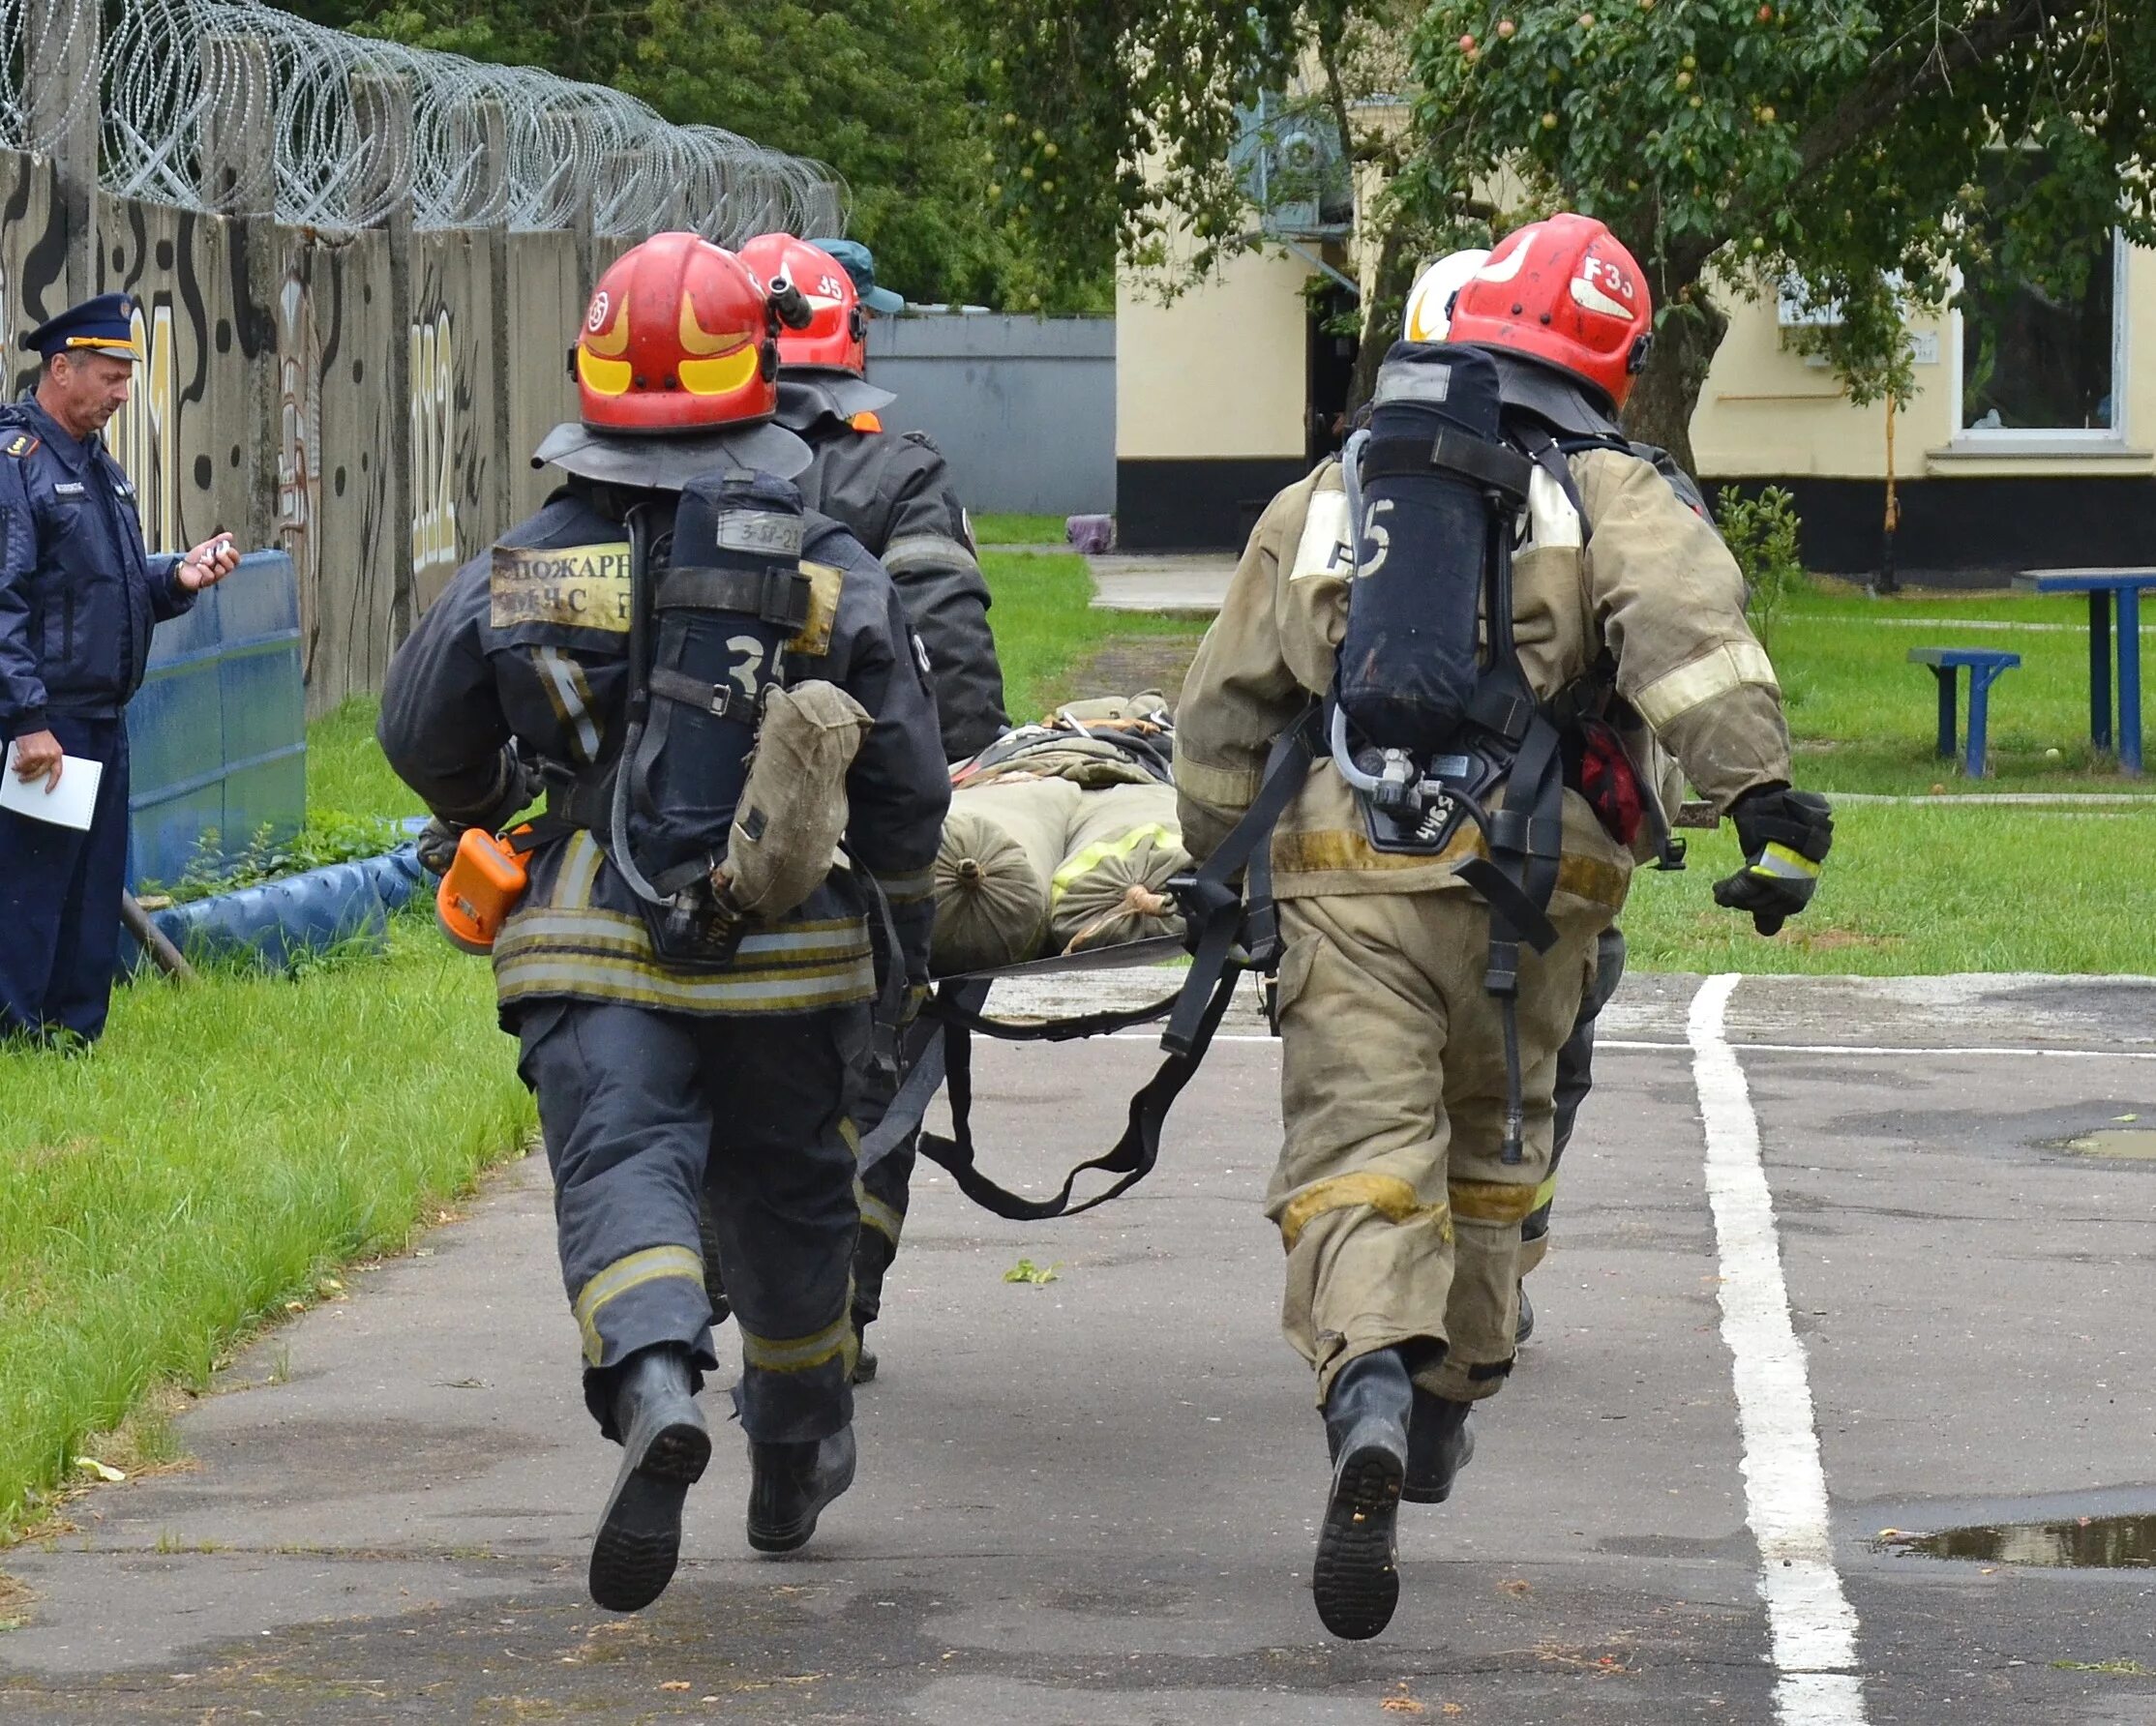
1984	668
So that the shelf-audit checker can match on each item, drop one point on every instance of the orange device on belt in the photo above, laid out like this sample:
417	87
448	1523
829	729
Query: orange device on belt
485	880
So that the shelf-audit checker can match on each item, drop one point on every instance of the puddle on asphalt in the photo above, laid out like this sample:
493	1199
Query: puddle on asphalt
2076	1542
2137	1143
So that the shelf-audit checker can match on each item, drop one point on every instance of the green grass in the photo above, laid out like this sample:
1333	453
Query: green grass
223	1148
1866	720
1910	890
998	529
347	771
1046	627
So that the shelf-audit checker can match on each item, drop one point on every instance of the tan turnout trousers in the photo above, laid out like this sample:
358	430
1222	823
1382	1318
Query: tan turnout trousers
1399	1216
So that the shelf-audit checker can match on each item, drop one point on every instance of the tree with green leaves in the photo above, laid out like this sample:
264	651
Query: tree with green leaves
879	89
1869	150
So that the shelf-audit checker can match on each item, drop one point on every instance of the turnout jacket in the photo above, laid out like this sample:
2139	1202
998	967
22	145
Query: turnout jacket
892	492
529	645
1642	576
78	594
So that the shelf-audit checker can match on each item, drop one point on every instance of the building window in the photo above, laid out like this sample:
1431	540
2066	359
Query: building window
2037	360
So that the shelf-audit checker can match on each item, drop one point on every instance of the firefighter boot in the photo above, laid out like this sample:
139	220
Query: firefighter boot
790	1484
1440	1443
1355	1579
1525	1328
665	1445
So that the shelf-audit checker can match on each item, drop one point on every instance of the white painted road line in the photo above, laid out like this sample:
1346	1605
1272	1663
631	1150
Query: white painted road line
1809	1618
1633	1044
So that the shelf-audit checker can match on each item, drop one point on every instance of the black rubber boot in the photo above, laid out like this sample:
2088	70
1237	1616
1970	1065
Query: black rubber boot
1440	1443
1524	1326
864	1363
1356	1580
665	1447
789	1486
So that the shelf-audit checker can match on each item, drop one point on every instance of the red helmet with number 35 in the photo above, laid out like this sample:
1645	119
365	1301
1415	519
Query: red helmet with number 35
1562	291
837	335
677	339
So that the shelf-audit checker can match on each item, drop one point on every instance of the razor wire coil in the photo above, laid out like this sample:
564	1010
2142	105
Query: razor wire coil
233	106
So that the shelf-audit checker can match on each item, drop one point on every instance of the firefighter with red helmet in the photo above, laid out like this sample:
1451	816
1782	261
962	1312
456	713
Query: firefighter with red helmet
1421	1009
892	489
894	492
669	625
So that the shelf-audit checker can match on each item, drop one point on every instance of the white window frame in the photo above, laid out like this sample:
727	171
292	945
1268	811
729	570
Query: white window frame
2062	440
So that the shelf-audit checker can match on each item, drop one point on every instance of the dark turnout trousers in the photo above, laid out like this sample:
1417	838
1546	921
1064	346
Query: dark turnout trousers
60	893
1576	1077
639	1109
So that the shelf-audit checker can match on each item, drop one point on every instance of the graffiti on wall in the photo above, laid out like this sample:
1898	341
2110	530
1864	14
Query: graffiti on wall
299	433
144	436
433	443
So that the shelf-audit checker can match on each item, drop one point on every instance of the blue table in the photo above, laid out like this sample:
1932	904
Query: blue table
2103	586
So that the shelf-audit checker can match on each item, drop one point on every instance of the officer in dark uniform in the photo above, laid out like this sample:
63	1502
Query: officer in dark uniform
657	1077
894	492
79	597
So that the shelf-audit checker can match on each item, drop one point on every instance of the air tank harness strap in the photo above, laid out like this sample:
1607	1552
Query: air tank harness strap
1516	880
1231	930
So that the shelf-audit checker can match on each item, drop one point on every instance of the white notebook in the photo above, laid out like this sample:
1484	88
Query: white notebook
71	804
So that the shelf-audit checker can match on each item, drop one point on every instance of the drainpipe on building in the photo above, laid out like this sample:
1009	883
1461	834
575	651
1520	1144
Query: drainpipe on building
1887	583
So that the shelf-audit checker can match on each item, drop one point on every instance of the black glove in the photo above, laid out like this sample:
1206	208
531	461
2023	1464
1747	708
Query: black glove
437	845
1785	835
517	784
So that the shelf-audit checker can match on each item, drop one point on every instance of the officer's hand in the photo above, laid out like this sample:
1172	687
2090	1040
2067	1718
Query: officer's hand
38	756
208	563
1785	835
437	845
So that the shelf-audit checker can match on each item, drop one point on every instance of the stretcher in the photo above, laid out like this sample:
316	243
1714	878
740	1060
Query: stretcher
1230	928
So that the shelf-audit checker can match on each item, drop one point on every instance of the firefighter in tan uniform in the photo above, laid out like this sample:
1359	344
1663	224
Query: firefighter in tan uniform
1403	1184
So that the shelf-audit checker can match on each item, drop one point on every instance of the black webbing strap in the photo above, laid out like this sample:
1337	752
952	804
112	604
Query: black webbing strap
921	1056
1218	912
1474	458
1216	909
778	595
719	698
1131	1159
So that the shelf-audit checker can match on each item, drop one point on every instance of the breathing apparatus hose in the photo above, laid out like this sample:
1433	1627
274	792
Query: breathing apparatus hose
638	523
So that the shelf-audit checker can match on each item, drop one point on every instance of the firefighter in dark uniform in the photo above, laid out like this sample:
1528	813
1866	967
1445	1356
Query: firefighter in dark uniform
894	492
79	598
655	1076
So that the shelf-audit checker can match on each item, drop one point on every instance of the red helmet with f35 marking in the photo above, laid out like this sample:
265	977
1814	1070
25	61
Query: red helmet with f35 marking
836	335
1566	292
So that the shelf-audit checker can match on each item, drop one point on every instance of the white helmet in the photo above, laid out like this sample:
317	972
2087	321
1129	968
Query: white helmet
1429	303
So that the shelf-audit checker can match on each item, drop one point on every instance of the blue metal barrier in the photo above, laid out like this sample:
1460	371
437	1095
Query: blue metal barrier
217	734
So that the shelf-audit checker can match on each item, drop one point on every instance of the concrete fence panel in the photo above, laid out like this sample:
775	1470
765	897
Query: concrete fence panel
1024	408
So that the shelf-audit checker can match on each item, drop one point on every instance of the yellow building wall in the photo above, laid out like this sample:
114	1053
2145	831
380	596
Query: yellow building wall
1767	412
1220	372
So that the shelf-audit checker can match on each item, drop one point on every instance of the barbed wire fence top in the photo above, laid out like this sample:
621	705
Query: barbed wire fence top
229	106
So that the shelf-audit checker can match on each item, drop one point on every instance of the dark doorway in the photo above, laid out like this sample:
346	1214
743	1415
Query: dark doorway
1329	369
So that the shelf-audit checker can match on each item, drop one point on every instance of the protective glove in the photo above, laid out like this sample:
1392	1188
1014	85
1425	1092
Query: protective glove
437	845
1785	835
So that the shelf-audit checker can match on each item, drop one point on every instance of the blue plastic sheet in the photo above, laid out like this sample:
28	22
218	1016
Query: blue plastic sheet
340	905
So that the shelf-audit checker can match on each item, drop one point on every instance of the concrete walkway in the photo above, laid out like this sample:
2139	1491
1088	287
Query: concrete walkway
1092	1503
1190	584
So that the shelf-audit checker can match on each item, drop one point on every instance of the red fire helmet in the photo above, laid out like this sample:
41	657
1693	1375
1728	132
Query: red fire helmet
837	336
1562	291
678	338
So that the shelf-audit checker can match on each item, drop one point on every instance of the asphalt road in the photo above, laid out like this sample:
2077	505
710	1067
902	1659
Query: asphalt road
1093	1501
